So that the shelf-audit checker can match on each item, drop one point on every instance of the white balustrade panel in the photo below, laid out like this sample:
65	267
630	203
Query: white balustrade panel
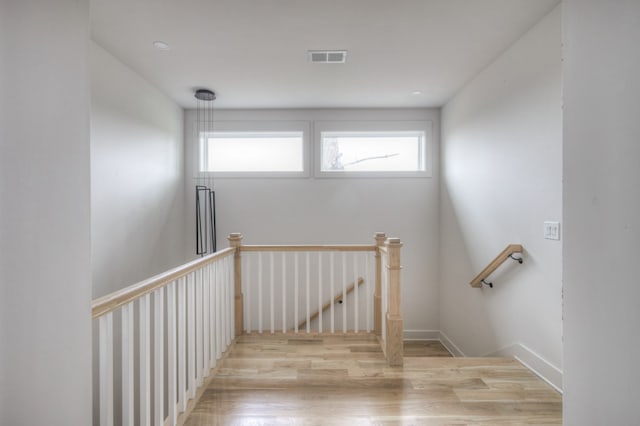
171	338
303	291
168	340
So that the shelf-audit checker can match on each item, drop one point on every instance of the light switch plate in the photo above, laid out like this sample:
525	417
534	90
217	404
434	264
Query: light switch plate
552	230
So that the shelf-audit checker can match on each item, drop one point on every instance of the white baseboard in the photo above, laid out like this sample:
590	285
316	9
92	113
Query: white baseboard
421	335
451	347
534	362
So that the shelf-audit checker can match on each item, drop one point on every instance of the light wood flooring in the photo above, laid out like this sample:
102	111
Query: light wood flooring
327	380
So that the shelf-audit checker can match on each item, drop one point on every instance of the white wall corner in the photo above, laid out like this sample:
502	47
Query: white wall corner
421	335
534	362
451	347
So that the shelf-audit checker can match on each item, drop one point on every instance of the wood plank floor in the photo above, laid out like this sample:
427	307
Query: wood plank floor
284	380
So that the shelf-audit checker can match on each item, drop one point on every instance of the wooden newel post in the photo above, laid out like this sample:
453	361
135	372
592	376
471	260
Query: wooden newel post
235	241
394	332
377	293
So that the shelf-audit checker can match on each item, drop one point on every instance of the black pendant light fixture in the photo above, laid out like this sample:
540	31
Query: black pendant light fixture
205	194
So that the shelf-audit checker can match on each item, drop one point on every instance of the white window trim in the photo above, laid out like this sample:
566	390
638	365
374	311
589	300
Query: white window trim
368	126
260	126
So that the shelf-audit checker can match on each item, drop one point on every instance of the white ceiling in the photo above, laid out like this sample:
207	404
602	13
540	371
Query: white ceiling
252	53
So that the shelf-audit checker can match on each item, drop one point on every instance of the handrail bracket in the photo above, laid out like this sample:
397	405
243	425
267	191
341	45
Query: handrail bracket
507	253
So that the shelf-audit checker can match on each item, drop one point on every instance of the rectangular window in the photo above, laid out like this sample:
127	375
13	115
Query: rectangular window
253	149
253	152
373	148
373	151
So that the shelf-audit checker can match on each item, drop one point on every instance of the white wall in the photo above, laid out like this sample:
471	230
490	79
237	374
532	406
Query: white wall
309	210
501	179
45	330
601	212
137	176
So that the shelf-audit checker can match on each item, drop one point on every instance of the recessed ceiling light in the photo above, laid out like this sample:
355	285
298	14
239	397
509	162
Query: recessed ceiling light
416	92
161	45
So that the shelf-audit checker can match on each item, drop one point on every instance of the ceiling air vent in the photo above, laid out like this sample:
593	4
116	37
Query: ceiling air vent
328	56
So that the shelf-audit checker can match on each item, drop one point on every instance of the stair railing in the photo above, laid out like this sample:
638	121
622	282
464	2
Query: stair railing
170	330
188	314
505	254
298	289
295	288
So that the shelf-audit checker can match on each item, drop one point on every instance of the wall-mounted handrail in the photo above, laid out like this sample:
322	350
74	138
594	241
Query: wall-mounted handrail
109	303
336	300
507	253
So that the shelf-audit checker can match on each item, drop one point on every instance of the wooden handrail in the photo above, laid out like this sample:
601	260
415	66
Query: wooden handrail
303	248
109	303
336	300
495	263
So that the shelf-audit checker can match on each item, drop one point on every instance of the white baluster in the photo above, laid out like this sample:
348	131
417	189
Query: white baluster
319	292
171	353
191	333
260	300
221	306
158	358
295	292
225	304
367	287
219	303
284	292
271	283
356	312
331	287
106	369
344	292
205	320
128	364
198	328
247	291
145	365
182	344
212	315
308	270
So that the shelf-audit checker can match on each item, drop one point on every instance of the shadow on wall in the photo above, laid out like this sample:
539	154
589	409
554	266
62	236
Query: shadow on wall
465	320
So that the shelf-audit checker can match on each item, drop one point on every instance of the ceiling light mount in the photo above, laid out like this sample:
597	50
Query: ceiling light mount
205	95
161	45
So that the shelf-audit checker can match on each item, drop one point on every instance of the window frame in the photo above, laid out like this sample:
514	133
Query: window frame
426	127
258	127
